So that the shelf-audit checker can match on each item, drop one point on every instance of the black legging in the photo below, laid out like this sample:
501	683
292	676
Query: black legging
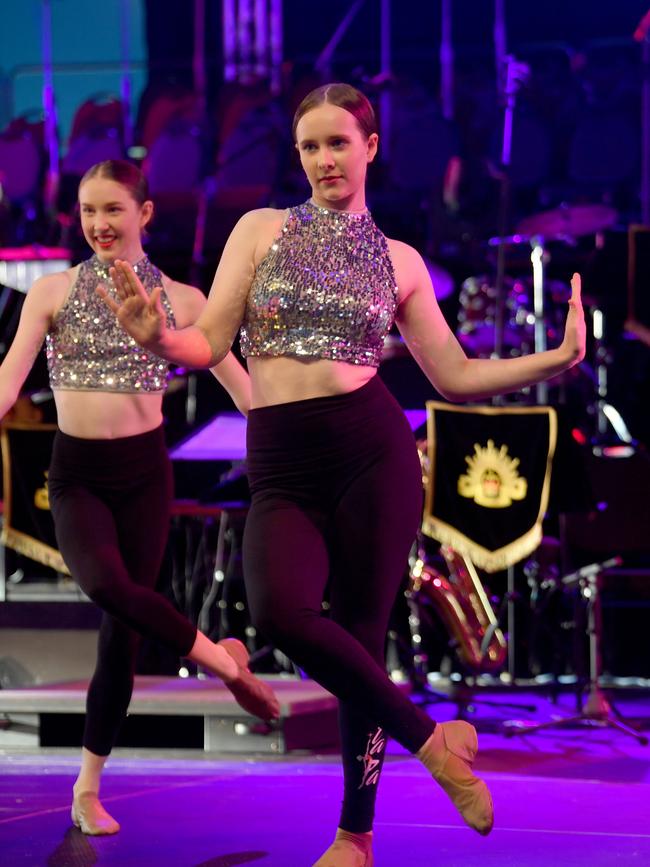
110	501
336	494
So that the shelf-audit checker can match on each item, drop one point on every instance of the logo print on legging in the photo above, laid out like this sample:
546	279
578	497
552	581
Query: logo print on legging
372	758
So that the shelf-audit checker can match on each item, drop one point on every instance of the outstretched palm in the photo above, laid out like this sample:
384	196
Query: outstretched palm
575	330
141	315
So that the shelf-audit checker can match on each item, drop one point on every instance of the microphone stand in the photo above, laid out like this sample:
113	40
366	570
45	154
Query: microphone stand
597	710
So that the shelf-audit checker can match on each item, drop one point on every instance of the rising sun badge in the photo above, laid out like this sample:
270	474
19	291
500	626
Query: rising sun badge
492	479
41	496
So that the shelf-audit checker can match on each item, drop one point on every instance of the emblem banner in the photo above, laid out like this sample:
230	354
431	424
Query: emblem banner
487	479
28	526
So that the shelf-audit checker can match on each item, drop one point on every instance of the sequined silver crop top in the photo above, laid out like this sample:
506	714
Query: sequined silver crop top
325	289
87	348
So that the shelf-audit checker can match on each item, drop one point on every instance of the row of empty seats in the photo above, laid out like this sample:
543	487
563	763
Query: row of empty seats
582	142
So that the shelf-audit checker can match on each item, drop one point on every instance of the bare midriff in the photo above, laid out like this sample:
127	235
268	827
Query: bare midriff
107	415
284	379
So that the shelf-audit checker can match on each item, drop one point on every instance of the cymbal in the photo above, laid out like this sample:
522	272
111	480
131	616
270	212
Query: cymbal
571	220
508	240
528	240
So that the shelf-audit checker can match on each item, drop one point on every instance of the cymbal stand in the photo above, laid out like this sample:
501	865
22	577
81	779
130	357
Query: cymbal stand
597	710
537	258
515	74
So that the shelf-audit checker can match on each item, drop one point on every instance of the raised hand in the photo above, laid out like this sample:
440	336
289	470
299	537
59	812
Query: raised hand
141	315
575	331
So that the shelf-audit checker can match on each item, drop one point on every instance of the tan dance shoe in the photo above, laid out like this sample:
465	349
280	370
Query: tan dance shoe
90	817
348	850
251	693
448	755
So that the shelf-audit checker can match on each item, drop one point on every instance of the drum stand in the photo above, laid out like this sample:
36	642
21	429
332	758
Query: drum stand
537	257
597	710
515	74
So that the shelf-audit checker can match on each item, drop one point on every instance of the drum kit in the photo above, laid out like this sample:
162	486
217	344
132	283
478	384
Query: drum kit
527	312
534	307
477	315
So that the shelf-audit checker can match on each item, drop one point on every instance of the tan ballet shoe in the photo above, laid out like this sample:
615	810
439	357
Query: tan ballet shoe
448	755
251	693
90	817
348	850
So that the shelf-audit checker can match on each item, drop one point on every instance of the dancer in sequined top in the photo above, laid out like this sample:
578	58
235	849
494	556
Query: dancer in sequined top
339	308
110	360
110	481
333	468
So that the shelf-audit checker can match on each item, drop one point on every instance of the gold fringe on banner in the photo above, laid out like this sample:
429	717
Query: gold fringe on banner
32	548
490	561
441	531
24	543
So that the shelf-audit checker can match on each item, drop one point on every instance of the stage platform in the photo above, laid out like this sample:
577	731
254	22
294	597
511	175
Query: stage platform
572	798
244	794
176	712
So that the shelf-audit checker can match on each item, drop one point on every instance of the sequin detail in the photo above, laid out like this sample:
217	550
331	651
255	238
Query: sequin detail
325	289
87	348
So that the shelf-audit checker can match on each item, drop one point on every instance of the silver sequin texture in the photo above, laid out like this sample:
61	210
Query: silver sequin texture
86	347
326	289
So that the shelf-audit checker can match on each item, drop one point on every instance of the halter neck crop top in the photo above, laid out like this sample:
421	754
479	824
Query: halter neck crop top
325	289
87	348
